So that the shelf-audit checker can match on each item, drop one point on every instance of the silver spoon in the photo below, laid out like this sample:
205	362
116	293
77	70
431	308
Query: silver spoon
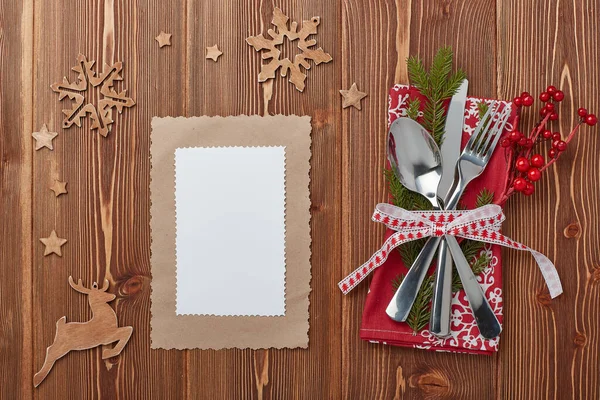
415	158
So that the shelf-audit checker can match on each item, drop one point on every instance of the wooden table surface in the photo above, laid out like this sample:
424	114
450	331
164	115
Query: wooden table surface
549	349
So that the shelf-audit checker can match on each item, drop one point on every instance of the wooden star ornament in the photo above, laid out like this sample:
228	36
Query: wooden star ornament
59	188
44	138
164	39
53	244
352	97
213	53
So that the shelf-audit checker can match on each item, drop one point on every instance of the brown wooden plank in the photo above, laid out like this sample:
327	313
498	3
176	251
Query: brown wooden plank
230	87
105	215
375	44
15	198
550	349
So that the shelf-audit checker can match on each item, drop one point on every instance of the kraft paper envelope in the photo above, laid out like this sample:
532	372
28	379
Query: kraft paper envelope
172	331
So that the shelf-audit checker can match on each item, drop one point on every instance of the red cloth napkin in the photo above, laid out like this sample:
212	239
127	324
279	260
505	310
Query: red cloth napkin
376	325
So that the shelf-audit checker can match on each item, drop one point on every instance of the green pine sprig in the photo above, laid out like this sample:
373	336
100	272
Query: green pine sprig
436	85
413	108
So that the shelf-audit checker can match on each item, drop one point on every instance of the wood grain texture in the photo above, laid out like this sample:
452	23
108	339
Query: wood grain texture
16	152
560	358
505	46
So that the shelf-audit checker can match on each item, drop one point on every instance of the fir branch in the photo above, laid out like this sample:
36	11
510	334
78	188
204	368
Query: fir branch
412	109
454	83
440	68
419	78
402	197
484	198
397	281
421	310
436	85
482	108
410	250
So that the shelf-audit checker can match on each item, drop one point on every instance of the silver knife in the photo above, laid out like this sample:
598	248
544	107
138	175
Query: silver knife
439	323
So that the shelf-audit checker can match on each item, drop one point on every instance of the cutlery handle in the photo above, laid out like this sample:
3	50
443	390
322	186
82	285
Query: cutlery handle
405	296
439	323
488	324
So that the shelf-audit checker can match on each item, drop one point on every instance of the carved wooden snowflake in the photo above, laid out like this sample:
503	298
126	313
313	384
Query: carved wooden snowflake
100	116
297	77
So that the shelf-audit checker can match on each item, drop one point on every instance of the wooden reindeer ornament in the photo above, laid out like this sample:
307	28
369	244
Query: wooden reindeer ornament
102	329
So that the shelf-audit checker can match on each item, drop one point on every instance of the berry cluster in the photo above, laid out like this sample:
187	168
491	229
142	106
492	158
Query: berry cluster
526	168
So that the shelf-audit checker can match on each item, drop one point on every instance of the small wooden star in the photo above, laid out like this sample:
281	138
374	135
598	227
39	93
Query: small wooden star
59	187
53	244
213	52
164	39
44	138
352	97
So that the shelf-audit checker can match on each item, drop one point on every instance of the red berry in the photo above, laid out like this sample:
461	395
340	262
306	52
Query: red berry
514	136
551	89
529	189
554	116
591	120
547	134
582	112
522	164
534	174
544	96
558	95
518	102
549	106
543	112
522	141
505	142
520	184
552	153
527	100
529	143
556	136
537	160
561	145
555	144
524	94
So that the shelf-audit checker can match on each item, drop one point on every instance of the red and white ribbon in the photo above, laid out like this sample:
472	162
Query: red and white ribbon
481	224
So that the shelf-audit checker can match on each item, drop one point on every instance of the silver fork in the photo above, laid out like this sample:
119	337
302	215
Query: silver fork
470	164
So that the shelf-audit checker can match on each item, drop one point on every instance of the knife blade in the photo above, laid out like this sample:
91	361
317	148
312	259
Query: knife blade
439	323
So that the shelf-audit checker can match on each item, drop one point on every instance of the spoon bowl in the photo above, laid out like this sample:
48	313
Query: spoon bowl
415	158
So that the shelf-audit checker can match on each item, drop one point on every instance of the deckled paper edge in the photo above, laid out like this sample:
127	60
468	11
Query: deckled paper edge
304	155
284	228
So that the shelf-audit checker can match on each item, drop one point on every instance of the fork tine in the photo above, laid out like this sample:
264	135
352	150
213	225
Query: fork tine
491	133
470	144
505	117
485	128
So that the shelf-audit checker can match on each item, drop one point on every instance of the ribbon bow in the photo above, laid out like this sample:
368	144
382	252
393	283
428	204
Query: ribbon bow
481	224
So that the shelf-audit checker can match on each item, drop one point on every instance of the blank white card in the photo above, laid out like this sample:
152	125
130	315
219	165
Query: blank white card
230	215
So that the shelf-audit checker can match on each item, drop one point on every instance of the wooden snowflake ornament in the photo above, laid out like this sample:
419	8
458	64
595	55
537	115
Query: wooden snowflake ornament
296	76
101	115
